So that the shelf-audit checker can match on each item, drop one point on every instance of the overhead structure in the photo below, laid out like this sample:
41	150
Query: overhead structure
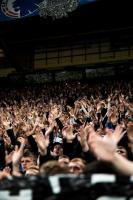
57	8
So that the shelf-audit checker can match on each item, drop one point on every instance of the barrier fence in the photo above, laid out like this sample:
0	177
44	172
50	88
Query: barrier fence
62	187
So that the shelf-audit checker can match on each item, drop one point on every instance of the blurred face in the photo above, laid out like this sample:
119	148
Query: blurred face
58	150
121	150
130	124
76	167
100	132
27	162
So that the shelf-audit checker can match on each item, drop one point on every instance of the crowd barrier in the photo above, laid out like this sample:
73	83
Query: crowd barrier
67	187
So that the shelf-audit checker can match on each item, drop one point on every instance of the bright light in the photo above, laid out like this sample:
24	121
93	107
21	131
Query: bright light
57	8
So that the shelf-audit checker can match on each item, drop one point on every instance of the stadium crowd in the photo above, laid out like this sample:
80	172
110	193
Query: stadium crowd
68	127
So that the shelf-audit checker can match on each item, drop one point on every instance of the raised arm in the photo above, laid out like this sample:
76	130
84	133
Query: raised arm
105	149
17	155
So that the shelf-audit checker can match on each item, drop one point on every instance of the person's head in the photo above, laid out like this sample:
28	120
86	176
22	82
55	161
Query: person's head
77	166
52	167
28	160
122	151
97	166
130	122
64	160
57	149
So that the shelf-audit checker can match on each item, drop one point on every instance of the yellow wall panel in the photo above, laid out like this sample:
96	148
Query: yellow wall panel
65	60
78	51
78	59
106	55
52	61
105	46
52	54
40	56
92	58
39	64
78	54
65	53
121	54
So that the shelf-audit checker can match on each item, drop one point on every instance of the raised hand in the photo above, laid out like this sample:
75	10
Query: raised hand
99	105
9	157
18	153
5	174
41	140
118	133
105	148
82	136
102	149
6	123
67	133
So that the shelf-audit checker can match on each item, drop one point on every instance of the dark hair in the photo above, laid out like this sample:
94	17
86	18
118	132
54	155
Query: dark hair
130	119
99	167
54	144
52	167
28	153
64	156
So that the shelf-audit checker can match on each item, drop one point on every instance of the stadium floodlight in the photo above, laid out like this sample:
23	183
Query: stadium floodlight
57	8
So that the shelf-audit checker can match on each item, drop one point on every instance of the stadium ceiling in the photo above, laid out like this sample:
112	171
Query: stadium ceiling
92	18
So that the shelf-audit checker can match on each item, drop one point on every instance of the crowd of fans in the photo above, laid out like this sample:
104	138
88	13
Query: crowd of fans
67	128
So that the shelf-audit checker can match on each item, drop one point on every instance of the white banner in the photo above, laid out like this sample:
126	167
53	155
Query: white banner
25	194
